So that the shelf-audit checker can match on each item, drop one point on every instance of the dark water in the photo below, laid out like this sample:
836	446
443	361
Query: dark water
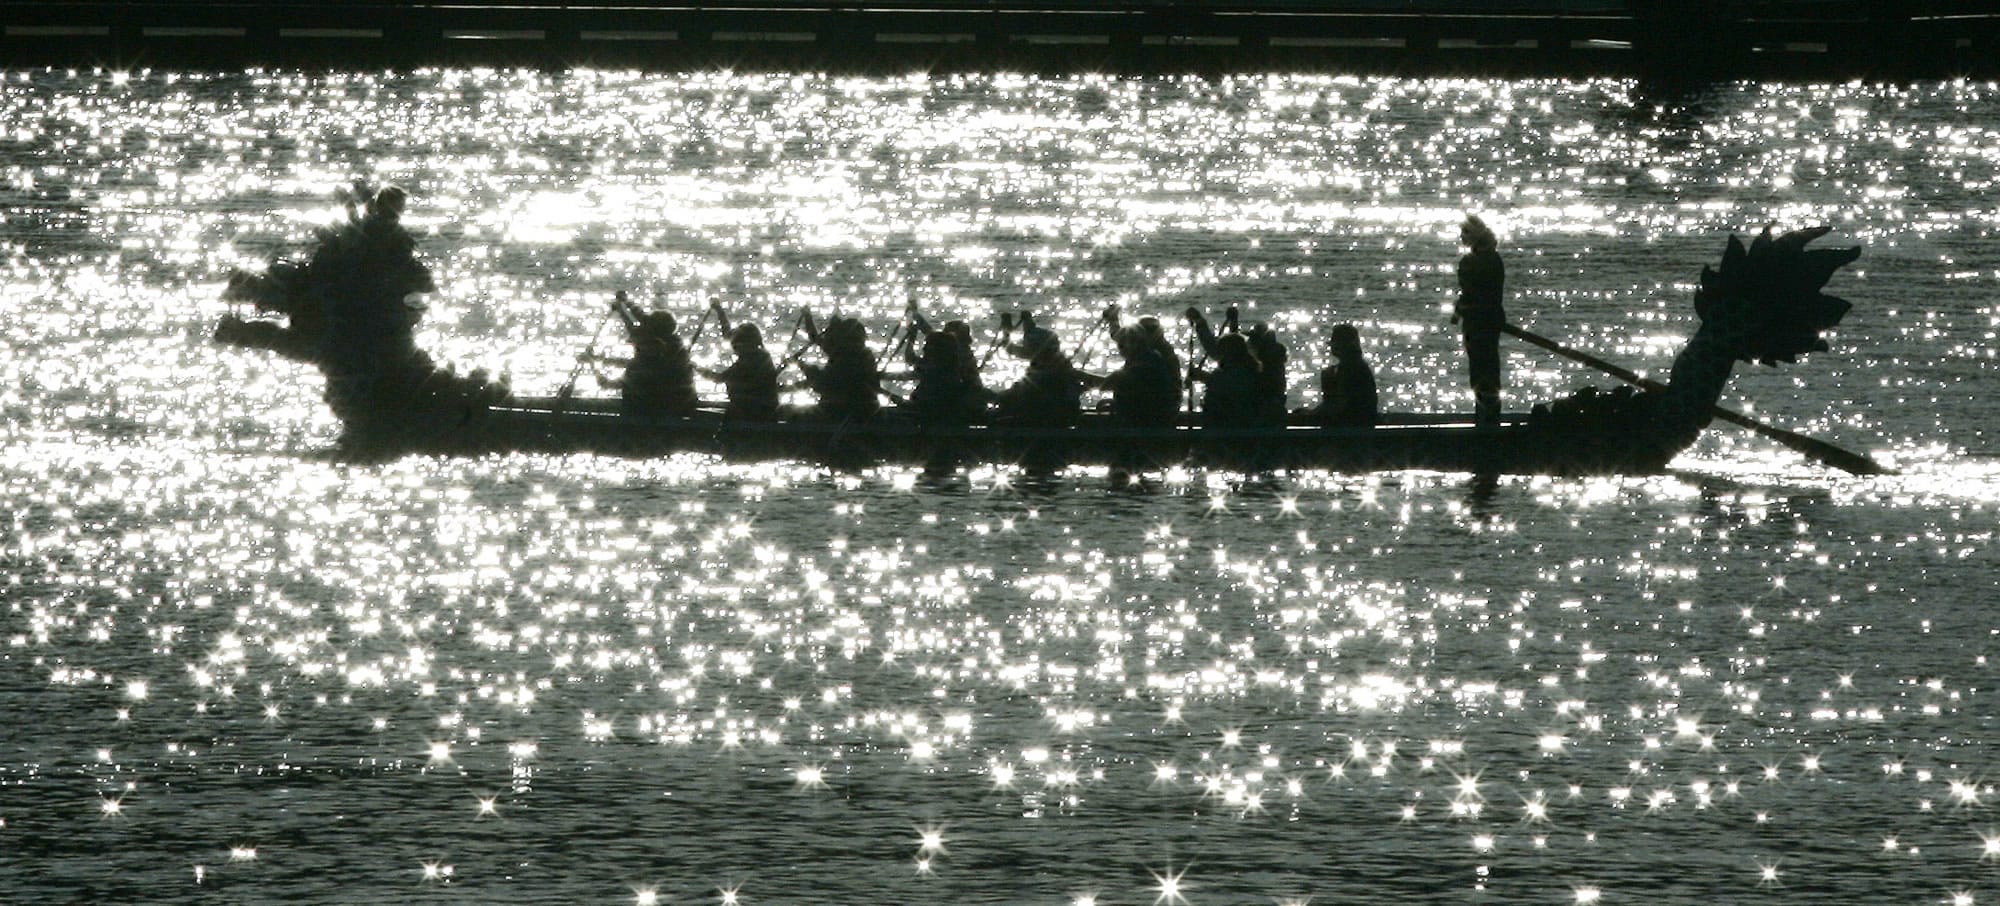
234	669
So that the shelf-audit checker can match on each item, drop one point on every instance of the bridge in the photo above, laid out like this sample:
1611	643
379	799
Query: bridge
1671	39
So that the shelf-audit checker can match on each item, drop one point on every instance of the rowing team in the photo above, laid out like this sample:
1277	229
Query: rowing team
1243	388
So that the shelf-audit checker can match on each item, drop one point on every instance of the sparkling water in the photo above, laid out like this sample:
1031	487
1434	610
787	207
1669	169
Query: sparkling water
234	668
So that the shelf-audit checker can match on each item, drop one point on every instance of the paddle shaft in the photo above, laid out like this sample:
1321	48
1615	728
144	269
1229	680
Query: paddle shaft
793	352
1197	340
1006	330
1845	460
1084	348
1194	364
700	323
892	348
911	319
569	386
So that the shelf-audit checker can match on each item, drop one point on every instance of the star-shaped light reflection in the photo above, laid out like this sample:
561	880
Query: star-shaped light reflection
1169	885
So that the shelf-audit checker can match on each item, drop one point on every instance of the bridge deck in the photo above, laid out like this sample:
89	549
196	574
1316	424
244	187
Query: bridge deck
1794	39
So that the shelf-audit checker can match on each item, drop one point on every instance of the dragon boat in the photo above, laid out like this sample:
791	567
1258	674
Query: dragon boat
342	311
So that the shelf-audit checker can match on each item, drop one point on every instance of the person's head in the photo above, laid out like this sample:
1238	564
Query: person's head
848	333
1233	349
388	202
1047	352
1131	341
960	331
746	339
1036	339
942	349
1263	341
658	322
1345	342
1475	233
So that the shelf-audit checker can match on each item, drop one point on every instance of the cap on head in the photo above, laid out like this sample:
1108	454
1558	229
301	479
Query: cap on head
746	336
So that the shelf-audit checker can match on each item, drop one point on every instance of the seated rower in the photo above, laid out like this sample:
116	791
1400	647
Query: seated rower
1271	356
940	394
1232	397
949	390
1050	394
1267	405
659	377
1347	387
976	394
1146	388
1156	337
751	381
848	383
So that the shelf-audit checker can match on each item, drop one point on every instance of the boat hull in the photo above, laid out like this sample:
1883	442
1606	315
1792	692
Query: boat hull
1411	442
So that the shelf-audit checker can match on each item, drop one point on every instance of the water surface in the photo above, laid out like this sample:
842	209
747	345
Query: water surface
238	669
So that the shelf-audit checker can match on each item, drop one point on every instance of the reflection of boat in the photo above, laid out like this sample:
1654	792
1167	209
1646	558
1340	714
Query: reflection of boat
1763	304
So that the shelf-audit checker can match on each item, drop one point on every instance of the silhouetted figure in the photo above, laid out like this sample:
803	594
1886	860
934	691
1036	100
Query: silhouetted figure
1146	389
976	394
1033	337
1050	394
382	224
948	388
1347	387
848	384
1156	336
369	271
1271	357
1480	315
1231	400
659	377
940	395
751	381
1267	401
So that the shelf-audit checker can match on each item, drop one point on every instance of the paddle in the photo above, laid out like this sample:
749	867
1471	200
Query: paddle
1845	460
891	347
1006	330
721	318
1109	317
569	386
700	323
1197	356
916	322
793	352
721	324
